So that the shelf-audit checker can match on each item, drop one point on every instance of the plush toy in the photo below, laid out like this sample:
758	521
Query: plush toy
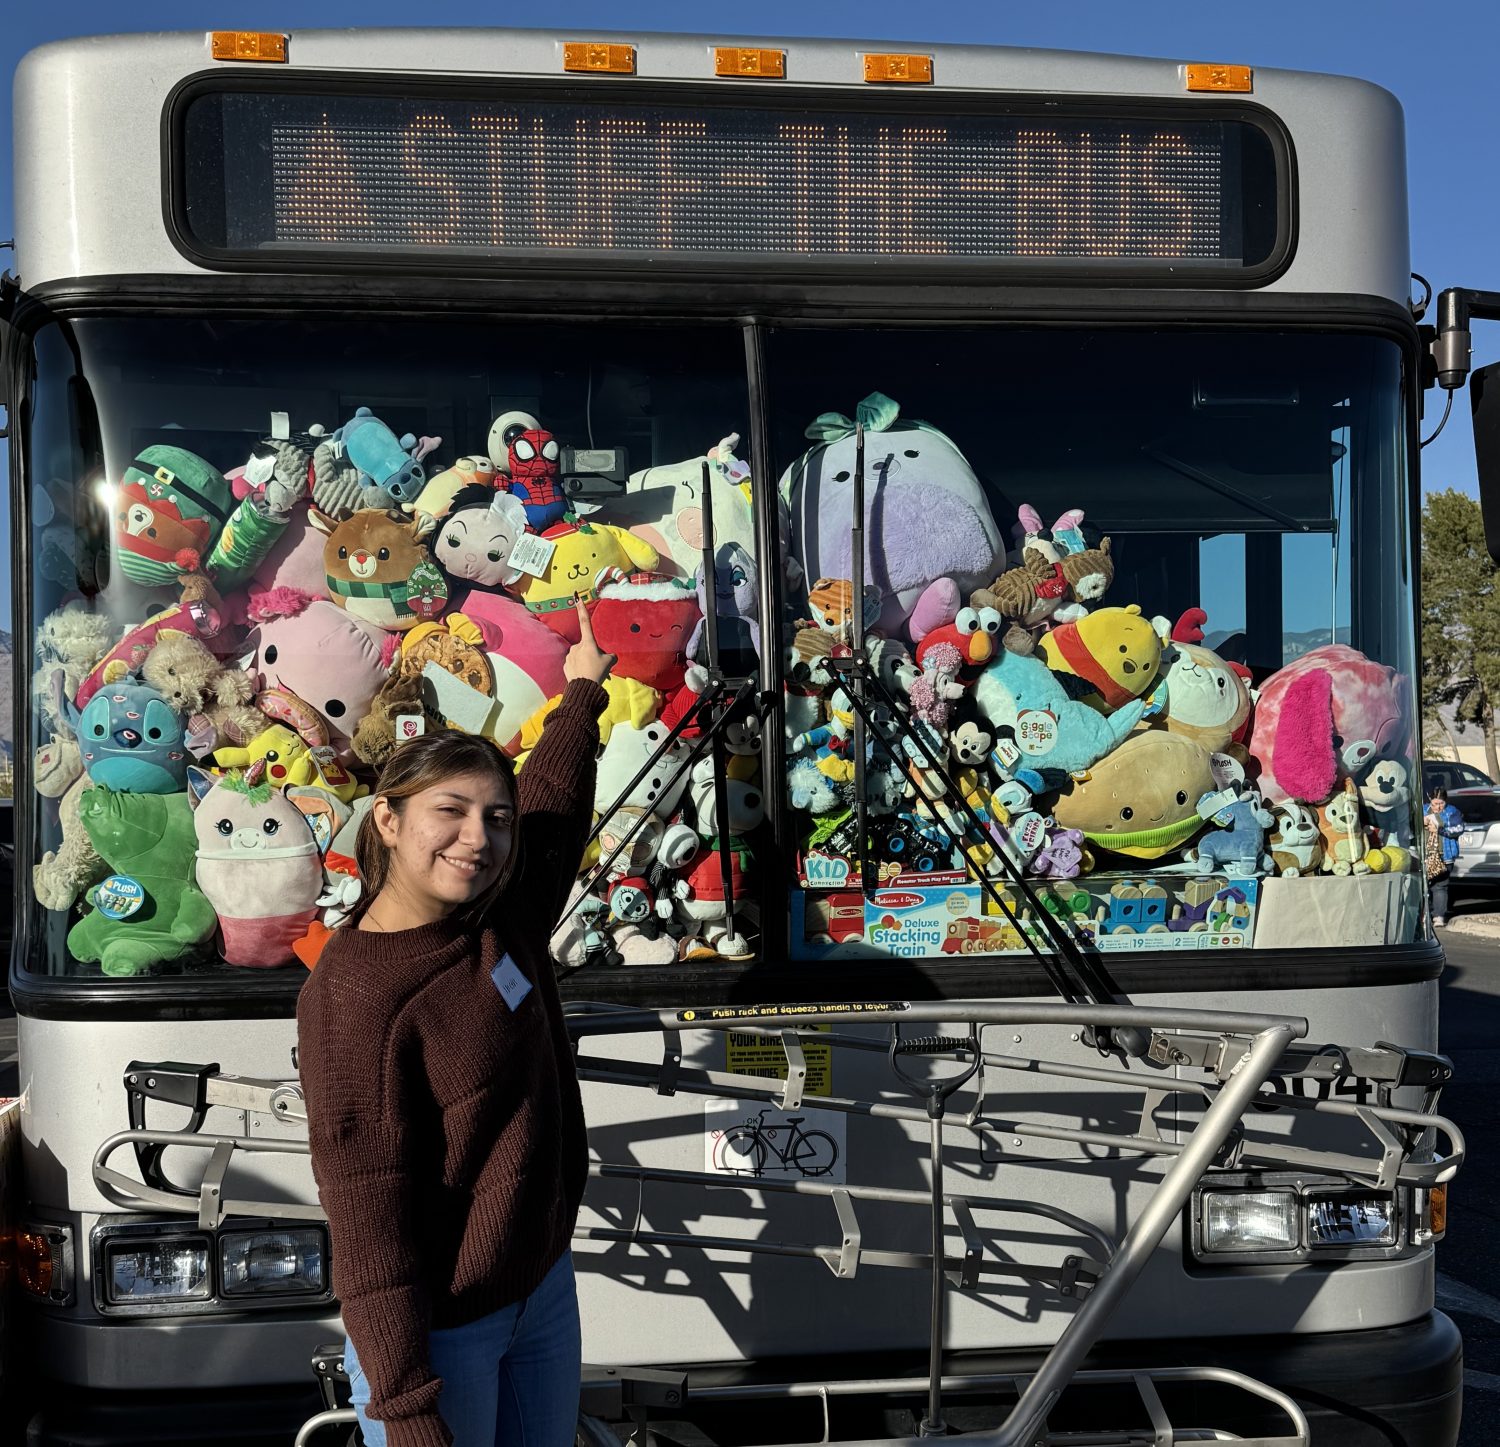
533	477
1385	792
1296	841
60	877
1063	537
973	633
503	431
827	763
387	462
526	661
699	898
744	801
127	656
581	552
630	702
1236	845
1142	799
1020	697
325	814
437	498
892	662
1202	697
458	645
286	758
147	912
647	621
476	538
663	506
969	745
73	640
629	752
1062	855
736	612
377	569
1045	590
935	692
830	603
926	512
322	654
1342	828
1113	654
215	701
258	865
175	518
130	737
1307	710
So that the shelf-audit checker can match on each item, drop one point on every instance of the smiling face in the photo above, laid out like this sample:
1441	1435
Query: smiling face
647	627
448	844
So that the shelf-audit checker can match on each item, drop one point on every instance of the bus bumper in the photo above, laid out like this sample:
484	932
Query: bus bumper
1398	1386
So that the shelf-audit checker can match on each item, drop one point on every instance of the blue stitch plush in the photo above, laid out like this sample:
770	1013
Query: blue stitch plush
384	460
131	738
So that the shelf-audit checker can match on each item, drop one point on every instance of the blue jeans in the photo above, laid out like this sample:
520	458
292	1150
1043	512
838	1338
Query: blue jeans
510	1379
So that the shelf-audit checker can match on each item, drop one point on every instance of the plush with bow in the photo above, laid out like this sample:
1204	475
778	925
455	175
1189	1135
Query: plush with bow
926	514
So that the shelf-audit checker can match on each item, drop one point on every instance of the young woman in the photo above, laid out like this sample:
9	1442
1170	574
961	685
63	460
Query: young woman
443	1111
1444	825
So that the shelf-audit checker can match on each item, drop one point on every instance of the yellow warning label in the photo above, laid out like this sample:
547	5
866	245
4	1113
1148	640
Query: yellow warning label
712	1013
762	1056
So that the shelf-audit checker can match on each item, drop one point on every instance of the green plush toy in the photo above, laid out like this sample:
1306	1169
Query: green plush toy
148	911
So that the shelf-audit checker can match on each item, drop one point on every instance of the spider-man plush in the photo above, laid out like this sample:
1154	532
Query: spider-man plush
534	478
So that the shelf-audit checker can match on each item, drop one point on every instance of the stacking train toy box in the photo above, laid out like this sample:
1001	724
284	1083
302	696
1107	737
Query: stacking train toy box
951	916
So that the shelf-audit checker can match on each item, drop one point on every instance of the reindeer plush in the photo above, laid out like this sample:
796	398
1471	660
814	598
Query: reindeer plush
378	570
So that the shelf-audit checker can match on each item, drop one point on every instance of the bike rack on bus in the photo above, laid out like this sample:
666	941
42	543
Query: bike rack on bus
1235	1055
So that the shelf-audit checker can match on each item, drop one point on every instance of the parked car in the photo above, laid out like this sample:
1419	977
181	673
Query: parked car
1478	861
1447	774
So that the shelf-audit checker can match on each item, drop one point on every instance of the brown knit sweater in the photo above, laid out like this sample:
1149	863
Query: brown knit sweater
446	1129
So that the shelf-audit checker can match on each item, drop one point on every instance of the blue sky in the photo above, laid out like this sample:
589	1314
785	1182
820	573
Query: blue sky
1439	72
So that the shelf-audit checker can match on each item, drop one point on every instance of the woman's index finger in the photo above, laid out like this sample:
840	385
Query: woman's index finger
585	623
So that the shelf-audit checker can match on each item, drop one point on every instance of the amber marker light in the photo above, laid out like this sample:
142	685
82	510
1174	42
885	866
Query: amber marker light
899	69
247	45
34	1264
745	62
596	57
1235	79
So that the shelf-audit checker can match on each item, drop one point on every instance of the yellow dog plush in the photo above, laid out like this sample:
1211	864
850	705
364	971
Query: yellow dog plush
581	551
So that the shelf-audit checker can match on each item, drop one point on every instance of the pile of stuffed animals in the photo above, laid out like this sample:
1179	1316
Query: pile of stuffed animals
299	616
1016	721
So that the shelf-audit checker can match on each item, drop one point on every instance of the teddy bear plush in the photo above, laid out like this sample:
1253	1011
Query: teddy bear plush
216	701
72	639
378	733
60	877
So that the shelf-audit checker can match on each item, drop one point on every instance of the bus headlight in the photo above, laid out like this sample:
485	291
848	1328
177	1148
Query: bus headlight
1240	1221
272	1262
1350	1218
164	1270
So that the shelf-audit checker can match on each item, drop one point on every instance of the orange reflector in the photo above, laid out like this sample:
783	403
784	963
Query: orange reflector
901	69
34	1264
595	56
247	45
746	61
1437	1209
1218	77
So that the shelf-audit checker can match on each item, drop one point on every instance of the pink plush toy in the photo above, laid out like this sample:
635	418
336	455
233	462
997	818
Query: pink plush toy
321	654
258	863
1311	712
933	694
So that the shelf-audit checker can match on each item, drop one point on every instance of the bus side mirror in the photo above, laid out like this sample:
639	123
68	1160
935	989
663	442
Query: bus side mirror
1484	399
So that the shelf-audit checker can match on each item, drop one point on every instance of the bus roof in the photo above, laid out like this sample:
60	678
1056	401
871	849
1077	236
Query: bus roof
88	127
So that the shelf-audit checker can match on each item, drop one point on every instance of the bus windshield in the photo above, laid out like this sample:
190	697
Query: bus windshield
1098	560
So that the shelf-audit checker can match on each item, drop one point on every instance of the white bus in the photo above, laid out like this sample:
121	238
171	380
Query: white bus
1050	424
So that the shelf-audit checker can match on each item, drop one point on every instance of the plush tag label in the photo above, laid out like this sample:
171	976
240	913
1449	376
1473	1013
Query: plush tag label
281	425
1036	732
512	984
119	896
427	592
1007	753
532	554
410	726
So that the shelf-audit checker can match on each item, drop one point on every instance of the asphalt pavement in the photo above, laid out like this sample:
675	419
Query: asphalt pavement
1469	1258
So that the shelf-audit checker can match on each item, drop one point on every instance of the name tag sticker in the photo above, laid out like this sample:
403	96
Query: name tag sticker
512	984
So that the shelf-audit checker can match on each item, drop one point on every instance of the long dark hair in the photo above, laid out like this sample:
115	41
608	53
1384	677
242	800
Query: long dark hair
418	765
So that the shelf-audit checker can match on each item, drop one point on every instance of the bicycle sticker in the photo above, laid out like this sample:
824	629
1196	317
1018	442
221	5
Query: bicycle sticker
759	1141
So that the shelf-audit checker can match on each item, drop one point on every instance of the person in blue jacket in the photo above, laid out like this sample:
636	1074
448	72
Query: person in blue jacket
1444	825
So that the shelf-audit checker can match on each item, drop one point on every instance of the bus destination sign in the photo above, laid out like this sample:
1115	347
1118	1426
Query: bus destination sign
290	172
